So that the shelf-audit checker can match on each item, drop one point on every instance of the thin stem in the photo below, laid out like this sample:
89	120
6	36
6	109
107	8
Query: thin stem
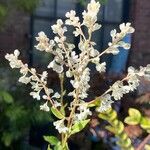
61	77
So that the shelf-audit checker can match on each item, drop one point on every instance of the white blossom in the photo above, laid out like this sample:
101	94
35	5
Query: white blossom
84	112
105	103
58	29
72	19
59	125
55	66
35	95
44	76
44	107
117	90
57	104
76	66
69	74
90	16
43	41
126	28
101	67
56	95
13	59
24	79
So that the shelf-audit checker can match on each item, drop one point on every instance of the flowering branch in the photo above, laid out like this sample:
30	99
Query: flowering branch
78	71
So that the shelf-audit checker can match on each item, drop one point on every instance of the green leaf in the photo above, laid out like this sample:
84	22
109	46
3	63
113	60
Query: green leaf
113	115
103	116
125	144
115	122
110	128
58	146
7	139
131	121
147	147
7	97
57	113
51	139
77	127
134	113
49	148
95	102
123	136
145	123
120	128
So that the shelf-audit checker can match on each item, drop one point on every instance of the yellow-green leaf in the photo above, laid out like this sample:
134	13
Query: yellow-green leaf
78	126
147	147
145	123
103	116
131	121
113	115
57	113
49	148
110	128
95	102
134	113
51	139
123	136
120	128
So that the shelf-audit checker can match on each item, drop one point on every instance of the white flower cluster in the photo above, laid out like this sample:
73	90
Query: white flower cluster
90	16
128	84
28	75
116	38
106	102
59	125
76	65
38	81
83	113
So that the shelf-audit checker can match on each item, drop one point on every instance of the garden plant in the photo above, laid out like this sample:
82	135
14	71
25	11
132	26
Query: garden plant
71	108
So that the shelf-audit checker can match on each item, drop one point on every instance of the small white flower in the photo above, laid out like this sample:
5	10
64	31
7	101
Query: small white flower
44	107
35	95
55	67
69	74
44	76
105	103
93	52
43	41
113	34
84	112
13	59
117	90
59	125
44	97
75	84
96	27
101	67
57	104
126	28
56	95
24	79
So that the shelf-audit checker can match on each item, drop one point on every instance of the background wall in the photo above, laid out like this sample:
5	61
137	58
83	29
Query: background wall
140	17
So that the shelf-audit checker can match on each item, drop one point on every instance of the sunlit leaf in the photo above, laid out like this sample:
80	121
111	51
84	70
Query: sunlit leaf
51	139
77	127
131	121
57	113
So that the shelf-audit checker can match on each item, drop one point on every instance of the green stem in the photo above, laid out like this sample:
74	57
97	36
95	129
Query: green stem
61	77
